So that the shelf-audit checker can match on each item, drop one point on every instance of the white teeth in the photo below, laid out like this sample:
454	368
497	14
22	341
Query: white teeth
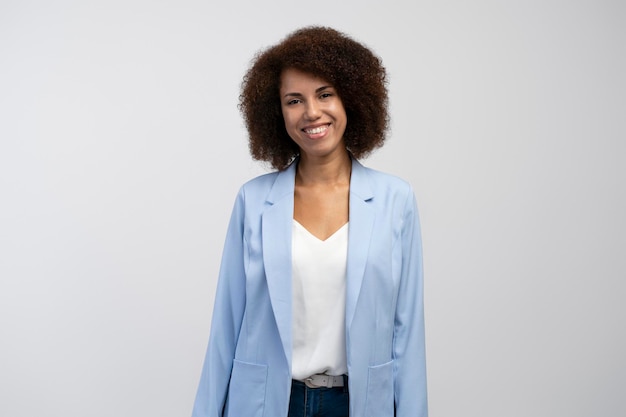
316	130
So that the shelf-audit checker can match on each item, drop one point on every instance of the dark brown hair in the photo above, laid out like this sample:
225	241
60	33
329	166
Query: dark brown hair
354	71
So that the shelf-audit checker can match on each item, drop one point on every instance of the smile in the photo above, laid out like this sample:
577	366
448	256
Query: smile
316	130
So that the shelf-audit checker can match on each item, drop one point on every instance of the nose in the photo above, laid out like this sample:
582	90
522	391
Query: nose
312	110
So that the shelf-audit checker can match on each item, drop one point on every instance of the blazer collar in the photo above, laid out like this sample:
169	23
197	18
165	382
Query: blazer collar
362	218
276	226
284	184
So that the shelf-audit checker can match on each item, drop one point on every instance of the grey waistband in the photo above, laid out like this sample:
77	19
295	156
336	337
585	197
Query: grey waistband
323	380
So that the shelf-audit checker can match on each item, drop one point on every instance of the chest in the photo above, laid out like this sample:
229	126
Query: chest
322	211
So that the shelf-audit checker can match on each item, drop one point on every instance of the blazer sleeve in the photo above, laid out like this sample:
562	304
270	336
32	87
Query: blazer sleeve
228	310
408	342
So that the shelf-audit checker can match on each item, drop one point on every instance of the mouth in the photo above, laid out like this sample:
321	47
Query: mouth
316	130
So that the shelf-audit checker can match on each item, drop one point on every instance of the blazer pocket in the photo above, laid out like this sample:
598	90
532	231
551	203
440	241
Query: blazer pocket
379	401
246	391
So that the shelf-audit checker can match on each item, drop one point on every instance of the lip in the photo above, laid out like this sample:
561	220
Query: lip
317	135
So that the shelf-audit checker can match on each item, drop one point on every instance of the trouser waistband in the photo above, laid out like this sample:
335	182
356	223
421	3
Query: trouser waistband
327	381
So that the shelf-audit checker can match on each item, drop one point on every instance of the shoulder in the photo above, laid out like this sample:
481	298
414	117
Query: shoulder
386	193
261	183
267	188
387	180
385	183
255	190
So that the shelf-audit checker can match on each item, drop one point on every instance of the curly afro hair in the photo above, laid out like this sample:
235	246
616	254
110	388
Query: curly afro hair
354	71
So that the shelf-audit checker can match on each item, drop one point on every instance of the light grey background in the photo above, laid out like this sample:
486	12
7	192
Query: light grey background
121	151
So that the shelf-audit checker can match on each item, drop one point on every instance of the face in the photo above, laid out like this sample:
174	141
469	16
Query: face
314	115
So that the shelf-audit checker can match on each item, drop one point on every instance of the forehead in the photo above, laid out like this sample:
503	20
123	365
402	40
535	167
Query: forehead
294	78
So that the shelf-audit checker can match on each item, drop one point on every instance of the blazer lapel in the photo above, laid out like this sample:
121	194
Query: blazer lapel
276	229
359	235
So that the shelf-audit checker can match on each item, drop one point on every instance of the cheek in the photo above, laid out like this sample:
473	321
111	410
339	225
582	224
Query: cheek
339	110
289	119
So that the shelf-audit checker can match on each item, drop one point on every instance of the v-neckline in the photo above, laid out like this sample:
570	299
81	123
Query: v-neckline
335	233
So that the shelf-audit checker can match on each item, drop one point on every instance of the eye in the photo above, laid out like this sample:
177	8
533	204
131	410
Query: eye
293	101
326	95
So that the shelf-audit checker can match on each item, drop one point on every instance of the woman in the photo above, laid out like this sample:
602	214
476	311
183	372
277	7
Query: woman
319	305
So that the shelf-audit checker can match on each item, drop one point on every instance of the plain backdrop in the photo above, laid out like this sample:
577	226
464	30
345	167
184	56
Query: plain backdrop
122	149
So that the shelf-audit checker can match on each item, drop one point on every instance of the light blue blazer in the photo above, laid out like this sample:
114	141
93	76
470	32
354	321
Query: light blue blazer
247	368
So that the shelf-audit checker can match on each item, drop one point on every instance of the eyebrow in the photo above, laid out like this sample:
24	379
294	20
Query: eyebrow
317	90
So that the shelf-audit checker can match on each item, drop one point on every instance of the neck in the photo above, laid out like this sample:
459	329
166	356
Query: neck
333	170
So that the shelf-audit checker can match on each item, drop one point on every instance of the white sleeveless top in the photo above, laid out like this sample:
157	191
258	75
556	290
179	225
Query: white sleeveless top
319	302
